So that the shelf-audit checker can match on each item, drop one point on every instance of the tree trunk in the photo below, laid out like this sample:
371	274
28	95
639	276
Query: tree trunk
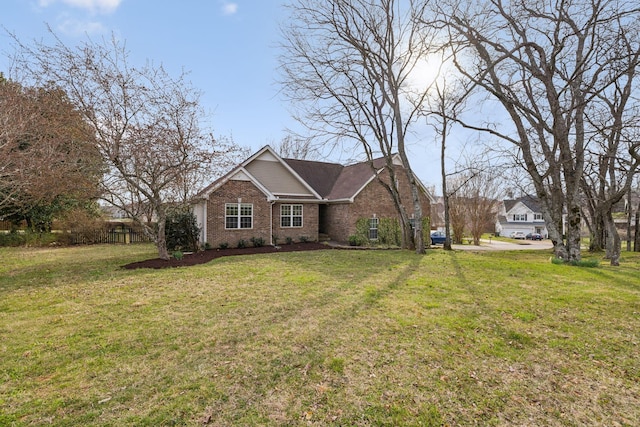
614	246
418	237
405	224
597	242
573	234
629	216
161	237
447	225
636	240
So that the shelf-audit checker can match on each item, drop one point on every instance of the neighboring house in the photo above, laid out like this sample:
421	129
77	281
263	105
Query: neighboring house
522	215
268	197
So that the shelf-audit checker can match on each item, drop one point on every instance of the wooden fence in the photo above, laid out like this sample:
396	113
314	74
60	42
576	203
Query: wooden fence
108	236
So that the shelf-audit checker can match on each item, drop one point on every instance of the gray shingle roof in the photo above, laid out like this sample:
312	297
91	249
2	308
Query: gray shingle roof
529	201
333	181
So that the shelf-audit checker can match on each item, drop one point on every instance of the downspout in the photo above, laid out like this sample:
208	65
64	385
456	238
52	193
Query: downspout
273	202
204	221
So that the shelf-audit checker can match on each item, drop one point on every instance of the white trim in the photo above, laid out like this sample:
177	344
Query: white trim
292	195
239	217
291	215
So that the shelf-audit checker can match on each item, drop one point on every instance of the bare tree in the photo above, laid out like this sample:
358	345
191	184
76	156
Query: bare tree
147	124
545	64
444	105
457	214
613	158
348	65
480	194
294	147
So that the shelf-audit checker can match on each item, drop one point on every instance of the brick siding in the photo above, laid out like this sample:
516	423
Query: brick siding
230	192
340	220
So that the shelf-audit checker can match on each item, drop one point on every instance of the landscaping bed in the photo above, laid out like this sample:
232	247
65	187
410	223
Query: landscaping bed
202	257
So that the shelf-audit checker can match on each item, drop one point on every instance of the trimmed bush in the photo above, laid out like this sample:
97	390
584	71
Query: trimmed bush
257	242
182	230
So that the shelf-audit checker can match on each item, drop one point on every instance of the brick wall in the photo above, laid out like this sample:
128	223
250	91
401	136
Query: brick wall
373	199
230	192
309	227
338	221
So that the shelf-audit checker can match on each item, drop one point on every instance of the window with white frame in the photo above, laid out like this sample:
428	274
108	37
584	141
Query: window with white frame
290	216
238	215
537	217
519	217
373	228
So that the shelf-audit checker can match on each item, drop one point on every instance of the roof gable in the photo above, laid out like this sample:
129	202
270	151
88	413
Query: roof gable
529	202
278	177
269	173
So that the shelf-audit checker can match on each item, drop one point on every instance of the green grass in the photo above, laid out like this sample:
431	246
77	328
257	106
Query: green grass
344	338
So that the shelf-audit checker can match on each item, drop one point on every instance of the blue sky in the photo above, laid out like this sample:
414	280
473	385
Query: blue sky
229	48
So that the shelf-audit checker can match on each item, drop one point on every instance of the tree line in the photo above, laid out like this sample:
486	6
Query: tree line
129	135
559	79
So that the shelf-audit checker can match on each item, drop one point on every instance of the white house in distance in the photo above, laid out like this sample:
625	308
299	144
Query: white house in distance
522	215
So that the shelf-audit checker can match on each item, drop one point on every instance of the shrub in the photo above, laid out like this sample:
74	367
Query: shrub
304	239
28	238
389	231
182	230
257	242
289	240
275	239
362	232
178	255
12	239
355	240
242	243
223	245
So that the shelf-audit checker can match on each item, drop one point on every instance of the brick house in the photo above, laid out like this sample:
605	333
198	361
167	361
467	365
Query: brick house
267	197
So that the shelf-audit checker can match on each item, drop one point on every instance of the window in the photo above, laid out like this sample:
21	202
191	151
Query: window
519	217
291	216
373	229
238	215
537	217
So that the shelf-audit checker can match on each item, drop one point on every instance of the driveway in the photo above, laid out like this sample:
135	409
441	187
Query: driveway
499	245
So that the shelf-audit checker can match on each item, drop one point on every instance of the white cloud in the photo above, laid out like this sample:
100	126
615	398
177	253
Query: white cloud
229	8
74	27
94	6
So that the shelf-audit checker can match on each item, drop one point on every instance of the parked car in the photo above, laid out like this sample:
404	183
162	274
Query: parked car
533	236
438	238
518	235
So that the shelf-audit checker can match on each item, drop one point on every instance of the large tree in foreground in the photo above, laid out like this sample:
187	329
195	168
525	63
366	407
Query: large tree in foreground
348	66
146	122
48	160
546	63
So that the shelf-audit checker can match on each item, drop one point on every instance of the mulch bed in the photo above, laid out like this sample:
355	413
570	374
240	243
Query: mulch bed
206	256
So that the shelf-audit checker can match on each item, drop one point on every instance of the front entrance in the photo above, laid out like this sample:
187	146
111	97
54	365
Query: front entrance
323	224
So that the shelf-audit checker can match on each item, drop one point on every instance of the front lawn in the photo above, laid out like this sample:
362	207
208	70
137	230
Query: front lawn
334	337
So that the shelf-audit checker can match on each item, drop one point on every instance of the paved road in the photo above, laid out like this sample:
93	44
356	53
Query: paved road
499	245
